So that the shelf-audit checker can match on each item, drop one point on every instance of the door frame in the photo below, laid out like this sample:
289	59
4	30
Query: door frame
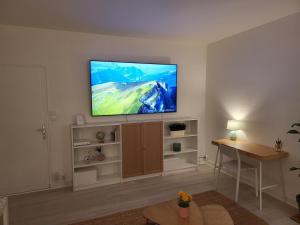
45	119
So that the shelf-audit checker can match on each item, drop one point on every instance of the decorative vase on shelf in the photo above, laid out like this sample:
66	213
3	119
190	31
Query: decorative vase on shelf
184	200
176	147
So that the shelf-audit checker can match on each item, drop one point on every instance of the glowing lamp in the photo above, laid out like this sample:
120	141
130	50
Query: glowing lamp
233	126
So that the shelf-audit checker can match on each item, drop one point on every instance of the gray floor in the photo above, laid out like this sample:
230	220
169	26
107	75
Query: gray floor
62	207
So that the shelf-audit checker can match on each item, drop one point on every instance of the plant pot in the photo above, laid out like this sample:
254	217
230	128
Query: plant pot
184	212
177	133
298	201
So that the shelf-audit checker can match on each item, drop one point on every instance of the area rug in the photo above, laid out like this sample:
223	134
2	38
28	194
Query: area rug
240	216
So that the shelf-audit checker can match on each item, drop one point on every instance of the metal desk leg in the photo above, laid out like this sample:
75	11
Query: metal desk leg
282	181
260	185
216	160
237	189
219	170
256	182
5	212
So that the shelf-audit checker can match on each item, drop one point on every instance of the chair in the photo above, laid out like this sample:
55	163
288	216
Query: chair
236	162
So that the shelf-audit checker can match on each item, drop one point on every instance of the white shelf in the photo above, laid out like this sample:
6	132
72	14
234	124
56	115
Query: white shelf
108	160
102	181
183	151
96	144
92	125
182	136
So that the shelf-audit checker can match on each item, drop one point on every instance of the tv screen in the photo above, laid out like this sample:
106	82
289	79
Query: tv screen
120	88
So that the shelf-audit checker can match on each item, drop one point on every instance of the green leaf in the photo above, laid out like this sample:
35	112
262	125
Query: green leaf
293	132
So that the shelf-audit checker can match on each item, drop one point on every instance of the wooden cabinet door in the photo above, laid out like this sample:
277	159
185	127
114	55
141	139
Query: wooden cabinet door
132	154
152	145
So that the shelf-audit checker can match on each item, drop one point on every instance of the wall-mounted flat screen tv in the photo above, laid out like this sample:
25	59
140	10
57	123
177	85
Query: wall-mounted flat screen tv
121	88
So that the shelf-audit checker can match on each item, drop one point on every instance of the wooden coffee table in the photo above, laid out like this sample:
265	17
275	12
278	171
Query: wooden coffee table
166	213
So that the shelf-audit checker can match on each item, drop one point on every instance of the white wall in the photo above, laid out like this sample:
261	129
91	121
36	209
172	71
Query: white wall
255	76
65	56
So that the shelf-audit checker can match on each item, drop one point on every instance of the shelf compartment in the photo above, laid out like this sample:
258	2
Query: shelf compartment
97	144
108	160
174	163
101	181
183	151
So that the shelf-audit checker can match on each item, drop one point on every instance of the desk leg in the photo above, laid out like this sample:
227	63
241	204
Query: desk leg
216	160
260	185
238	175
256	182
219	170
282	180
5	213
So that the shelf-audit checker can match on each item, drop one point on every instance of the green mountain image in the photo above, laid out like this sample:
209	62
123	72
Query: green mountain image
119	98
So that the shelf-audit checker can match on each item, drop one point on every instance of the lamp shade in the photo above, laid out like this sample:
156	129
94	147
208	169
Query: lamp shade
234	125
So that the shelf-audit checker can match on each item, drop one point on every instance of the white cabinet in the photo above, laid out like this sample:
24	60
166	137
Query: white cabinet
90	170
187	158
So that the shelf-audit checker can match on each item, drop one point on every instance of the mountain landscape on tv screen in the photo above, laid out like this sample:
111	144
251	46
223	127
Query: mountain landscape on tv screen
130	88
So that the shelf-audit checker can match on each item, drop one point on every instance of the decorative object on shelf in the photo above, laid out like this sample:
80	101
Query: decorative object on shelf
184	200
100	156
278	145
89	158
176	147
177	129
113	135
233	126
80	119
100	135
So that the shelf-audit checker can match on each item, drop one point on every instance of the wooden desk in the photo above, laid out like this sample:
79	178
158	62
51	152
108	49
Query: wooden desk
259	152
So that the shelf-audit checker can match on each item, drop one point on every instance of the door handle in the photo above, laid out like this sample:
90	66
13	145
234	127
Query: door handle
43	131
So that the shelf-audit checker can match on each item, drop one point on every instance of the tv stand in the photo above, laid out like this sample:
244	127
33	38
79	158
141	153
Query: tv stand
131	151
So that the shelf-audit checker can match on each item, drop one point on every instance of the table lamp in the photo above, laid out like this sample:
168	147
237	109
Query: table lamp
233	126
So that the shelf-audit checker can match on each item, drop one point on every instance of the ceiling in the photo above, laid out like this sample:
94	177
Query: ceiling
196	20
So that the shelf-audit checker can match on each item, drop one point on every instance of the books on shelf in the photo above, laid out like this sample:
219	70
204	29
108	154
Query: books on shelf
81	142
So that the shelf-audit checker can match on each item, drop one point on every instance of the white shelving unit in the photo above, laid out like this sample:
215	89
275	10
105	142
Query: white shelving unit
88	172
187	158
92	173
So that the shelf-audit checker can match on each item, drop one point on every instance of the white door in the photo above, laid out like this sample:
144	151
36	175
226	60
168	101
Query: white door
23	146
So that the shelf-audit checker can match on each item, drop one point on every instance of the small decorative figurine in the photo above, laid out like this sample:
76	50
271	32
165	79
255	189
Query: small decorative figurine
113	135
278	145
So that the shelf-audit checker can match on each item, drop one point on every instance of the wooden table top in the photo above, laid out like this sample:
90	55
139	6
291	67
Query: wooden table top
166	213
257	151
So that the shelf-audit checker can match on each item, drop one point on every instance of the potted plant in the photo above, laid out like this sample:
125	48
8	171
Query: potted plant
184	200
293	168
177	129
